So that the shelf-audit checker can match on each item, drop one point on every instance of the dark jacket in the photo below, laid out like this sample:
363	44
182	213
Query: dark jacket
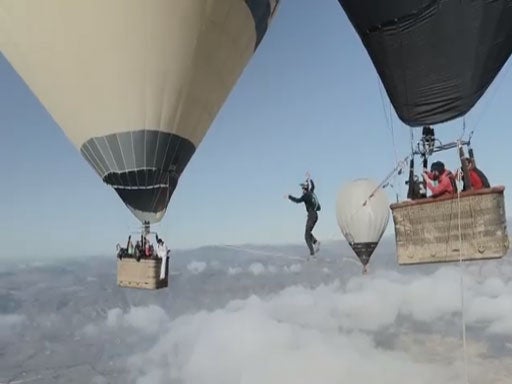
308	198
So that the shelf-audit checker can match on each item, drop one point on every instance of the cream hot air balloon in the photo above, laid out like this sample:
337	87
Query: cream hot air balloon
134	84
362	210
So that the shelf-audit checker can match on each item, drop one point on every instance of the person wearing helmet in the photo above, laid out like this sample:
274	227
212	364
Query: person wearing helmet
312	207
445	180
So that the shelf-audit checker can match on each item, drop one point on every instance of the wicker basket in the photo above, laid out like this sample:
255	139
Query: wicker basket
427	230
141	274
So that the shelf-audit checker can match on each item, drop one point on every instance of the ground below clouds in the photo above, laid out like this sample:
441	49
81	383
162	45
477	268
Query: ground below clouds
257	314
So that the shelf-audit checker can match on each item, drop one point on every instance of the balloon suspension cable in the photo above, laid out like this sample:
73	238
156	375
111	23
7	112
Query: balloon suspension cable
412	140
463	318
254	251
146	230
470	136
463	128
384	183
388	118
495	86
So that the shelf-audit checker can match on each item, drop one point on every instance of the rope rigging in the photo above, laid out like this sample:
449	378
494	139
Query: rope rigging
463	319
492	93
390	125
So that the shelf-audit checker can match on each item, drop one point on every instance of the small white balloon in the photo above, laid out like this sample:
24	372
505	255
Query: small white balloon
362	211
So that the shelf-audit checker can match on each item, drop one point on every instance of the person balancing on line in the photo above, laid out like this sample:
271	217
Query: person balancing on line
312	207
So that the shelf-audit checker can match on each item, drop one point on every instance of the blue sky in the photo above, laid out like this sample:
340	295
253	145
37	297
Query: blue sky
310	99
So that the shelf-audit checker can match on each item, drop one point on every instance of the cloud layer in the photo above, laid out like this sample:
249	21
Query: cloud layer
235	318
330	333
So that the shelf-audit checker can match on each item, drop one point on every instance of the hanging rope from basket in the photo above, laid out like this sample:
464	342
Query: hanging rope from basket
463	318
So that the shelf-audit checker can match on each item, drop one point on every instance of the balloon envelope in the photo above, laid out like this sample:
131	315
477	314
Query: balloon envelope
362	224
435	58
134	84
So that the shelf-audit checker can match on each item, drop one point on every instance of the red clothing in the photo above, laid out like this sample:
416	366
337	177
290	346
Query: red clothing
444	185
476	181
474	177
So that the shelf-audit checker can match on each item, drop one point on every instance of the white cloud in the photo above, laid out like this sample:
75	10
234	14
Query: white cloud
257	268
146	320
234	270
430	297
8	322
149	319
291	337
374	328
326	334
196	266
493	287
11	326
294	268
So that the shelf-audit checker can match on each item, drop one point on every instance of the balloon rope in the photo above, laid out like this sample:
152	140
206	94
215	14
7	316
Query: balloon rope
462	289
398	167
254	251
492	93
389	123
389	120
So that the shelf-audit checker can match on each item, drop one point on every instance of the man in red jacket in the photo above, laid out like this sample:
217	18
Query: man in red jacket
445	180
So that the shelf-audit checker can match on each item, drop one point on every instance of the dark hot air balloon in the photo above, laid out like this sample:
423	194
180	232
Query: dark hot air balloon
436	58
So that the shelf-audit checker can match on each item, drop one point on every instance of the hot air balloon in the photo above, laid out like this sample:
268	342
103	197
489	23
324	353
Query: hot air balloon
362	211
134	85
436	59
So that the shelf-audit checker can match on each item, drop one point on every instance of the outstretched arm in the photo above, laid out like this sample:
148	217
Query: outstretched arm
296	199
311	184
